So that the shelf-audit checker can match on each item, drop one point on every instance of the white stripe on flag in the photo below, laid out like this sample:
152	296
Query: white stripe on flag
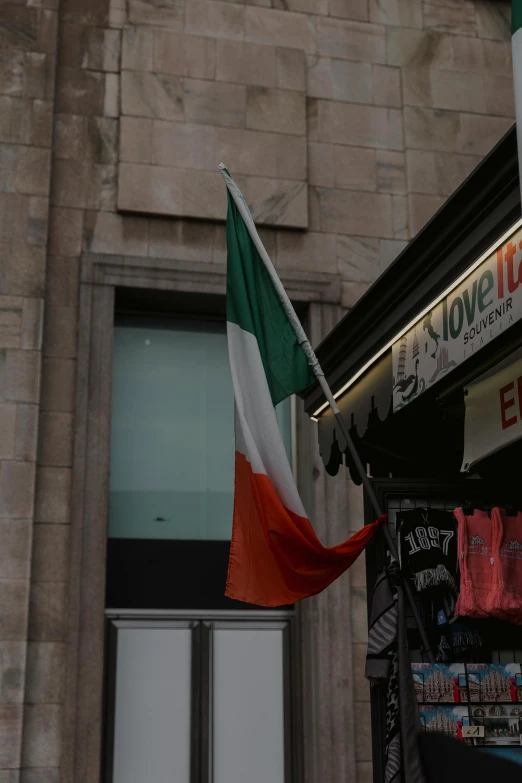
257	432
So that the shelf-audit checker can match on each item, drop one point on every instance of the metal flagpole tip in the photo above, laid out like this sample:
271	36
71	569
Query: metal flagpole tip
223	169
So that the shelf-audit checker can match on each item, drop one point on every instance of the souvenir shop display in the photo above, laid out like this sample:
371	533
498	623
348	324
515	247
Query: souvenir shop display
482	696
464	567
465	564
474	557
427	369
487	683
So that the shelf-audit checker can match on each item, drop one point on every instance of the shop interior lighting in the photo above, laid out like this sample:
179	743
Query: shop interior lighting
418	317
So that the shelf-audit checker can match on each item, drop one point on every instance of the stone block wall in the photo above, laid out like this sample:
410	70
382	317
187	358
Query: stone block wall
189	100
346	122
352	119
31	665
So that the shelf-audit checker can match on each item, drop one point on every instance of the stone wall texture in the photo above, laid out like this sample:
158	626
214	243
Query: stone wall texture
347	123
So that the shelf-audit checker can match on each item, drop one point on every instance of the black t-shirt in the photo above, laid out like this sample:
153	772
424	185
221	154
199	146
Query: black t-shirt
428	547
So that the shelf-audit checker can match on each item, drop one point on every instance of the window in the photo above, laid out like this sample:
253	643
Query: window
200	700
172	432
172	464
199	686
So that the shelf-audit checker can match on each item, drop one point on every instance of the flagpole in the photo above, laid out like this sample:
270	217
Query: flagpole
244	211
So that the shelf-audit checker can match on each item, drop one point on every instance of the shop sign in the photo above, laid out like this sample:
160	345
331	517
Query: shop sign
483	306
493	413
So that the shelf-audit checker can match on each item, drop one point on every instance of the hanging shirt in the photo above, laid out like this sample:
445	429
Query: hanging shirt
428	548
478	538
506	598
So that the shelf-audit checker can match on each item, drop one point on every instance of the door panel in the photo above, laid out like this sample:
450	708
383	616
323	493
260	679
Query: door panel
152	706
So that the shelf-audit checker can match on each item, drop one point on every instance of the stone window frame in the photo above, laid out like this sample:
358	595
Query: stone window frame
101	275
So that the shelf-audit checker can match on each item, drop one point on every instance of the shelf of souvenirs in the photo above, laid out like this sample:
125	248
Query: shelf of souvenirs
458	683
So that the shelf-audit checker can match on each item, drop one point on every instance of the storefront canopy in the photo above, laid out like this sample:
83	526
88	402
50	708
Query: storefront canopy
357	355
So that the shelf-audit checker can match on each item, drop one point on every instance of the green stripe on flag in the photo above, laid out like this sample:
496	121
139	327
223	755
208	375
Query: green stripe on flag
516	16
253	304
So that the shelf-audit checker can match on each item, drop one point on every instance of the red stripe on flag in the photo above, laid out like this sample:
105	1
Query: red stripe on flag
275	555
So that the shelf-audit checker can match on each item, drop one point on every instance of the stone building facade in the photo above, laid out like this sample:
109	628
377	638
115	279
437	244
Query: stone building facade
346	123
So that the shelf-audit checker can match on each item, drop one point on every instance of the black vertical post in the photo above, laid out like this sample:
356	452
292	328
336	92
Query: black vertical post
390	542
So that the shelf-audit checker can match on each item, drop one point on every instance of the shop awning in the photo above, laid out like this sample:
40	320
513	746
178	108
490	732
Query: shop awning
367	403
357	357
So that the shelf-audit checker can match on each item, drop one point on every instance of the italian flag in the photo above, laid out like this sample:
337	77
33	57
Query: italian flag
275	556
516	45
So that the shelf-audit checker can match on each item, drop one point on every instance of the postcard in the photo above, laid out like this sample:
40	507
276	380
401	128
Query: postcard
440	682
493	682
446	719
498	730
495	710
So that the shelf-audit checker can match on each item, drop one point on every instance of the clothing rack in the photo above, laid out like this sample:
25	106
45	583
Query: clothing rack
497	654
502	642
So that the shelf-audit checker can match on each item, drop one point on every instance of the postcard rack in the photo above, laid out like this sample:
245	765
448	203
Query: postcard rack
501	641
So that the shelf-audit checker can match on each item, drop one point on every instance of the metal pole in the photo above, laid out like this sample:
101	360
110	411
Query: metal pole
390	541
244	211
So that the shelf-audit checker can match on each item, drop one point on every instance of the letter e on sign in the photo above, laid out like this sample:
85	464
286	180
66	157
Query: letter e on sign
493	411
505	404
